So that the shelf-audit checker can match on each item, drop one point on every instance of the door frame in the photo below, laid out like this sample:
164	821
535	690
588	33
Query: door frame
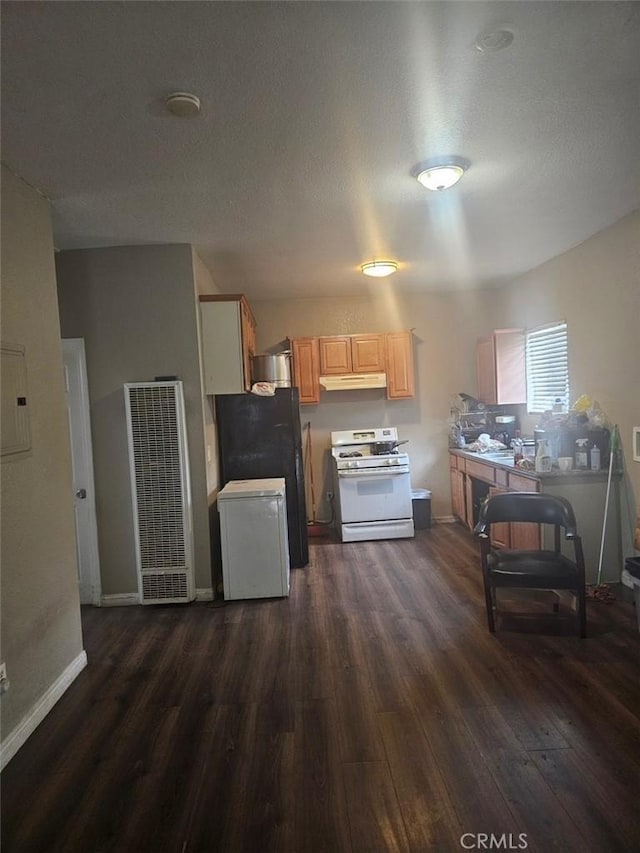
73	351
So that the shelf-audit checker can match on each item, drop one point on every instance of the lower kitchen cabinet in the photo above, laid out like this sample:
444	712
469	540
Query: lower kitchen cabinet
474	479
500	533
457	494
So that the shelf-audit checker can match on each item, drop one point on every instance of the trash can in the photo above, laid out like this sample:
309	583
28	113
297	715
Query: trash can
421	500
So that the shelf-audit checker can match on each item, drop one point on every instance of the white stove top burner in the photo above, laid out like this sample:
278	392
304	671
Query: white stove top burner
362	437
354	449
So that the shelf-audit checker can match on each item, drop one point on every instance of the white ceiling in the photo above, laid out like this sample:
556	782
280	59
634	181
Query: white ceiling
314	115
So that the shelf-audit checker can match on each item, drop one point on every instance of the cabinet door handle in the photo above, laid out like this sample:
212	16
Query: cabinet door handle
81	493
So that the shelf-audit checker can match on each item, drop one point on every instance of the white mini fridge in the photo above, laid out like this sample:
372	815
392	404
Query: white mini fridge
253	532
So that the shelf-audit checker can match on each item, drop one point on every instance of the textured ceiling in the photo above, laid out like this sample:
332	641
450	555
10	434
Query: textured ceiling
314	114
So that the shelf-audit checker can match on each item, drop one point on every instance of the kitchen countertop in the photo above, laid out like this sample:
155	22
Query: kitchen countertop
554	476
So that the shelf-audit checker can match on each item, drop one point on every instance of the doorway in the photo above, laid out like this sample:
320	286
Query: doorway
77	400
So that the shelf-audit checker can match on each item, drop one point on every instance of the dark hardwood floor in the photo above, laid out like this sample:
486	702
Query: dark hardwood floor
369	711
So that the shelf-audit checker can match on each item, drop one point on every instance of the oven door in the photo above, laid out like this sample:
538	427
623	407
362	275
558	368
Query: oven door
378	496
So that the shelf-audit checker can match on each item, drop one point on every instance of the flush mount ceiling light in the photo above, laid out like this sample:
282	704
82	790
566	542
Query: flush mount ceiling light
379	269
441	176
183	104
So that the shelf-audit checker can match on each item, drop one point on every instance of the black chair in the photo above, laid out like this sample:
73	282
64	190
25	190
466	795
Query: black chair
549	570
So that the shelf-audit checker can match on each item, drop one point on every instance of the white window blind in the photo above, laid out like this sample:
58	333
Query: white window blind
547	367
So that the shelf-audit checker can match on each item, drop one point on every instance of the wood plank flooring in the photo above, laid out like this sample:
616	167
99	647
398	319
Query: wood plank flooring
370	711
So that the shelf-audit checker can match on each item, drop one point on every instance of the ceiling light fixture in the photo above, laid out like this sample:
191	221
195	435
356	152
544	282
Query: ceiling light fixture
441	177
183	104
379	269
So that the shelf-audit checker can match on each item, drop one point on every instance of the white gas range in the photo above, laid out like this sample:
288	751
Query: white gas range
372	490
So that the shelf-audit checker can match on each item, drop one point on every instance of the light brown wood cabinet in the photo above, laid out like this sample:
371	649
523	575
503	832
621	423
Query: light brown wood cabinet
399	364
390	353
496	480
341	354
458	501
306	374
228	342
500	533
368	353
335	355
500	366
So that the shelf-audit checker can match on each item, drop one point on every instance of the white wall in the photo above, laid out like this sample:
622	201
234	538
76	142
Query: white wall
40	609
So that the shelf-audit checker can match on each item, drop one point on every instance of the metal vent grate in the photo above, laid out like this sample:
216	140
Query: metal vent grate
159	474
164	586
154	430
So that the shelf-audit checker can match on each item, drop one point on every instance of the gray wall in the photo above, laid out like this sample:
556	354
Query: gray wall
40	610
136	308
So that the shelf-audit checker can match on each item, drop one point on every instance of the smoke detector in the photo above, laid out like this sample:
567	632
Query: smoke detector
183	104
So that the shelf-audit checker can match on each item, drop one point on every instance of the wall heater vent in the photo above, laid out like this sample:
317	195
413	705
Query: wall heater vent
160	491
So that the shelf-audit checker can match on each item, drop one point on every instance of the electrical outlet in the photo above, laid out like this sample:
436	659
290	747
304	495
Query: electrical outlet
329	496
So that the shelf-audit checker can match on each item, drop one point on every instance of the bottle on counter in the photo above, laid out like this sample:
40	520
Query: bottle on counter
517	444
595	458
582	454
543	457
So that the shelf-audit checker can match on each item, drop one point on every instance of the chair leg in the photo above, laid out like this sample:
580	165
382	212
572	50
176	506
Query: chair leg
582	612
488	600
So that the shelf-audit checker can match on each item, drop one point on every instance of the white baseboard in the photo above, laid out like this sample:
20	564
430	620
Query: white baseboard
120	599
204	594
12	743
445	519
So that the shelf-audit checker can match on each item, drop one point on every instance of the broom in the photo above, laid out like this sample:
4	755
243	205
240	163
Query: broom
314	527
602	591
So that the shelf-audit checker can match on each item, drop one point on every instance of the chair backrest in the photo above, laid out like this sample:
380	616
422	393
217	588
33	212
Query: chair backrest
535	507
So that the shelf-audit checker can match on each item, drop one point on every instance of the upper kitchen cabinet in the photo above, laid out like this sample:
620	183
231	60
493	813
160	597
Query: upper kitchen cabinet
228	342
500	364
341	354
306	374
399	364
356	362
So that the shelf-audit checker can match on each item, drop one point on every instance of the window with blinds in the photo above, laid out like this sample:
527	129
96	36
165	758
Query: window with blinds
547	367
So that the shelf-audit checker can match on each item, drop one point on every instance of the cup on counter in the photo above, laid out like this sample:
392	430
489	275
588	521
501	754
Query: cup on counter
565	463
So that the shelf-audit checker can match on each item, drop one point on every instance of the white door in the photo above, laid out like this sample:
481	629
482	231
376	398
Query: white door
77	397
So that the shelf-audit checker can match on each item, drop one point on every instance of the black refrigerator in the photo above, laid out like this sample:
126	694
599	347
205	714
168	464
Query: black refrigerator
261	437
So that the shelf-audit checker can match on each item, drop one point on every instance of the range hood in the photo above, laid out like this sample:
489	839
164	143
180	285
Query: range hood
354	381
